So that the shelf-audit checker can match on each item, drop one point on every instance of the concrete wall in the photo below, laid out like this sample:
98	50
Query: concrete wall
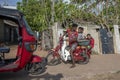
47	39
91	29
88	29
116	39
95	34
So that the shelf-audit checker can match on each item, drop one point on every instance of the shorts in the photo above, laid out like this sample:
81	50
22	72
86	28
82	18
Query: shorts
73	46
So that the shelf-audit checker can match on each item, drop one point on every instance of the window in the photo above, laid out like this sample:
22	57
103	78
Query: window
28	27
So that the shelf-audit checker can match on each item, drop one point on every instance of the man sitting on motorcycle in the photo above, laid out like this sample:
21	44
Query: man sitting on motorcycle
72	34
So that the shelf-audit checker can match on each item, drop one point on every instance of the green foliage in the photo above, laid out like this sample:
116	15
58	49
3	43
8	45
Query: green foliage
39	12
79	1
36	12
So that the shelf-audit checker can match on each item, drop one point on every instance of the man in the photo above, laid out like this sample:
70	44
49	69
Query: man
72	34
91	45
80	34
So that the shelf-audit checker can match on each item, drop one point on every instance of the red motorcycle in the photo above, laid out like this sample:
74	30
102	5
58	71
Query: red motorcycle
27	44
62	52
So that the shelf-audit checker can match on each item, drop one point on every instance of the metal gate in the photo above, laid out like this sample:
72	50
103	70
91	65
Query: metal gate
107	42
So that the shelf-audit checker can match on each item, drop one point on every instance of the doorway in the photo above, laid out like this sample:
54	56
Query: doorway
106	41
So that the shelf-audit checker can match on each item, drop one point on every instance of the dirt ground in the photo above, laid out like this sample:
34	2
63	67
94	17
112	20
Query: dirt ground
107	76
100	67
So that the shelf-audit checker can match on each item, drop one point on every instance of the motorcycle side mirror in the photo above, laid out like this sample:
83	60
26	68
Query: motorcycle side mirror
20	39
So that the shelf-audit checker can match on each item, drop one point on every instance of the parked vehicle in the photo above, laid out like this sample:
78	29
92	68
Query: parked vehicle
62	53
26	45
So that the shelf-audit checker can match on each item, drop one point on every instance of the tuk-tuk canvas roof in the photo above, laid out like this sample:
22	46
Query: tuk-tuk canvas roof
10	12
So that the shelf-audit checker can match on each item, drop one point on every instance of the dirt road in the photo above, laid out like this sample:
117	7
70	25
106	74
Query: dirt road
99	64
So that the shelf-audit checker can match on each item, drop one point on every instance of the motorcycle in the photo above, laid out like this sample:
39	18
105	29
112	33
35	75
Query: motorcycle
62	53
27	44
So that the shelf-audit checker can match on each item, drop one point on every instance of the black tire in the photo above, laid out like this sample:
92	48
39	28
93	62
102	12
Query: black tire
51	60
27	67
86	58
35	68
44	61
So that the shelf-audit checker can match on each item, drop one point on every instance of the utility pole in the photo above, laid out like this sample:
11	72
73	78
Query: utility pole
106	10
54	26
53	11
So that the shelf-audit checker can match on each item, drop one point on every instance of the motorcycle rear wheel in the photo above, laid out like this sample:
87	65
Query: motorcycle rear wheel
52	60
85	58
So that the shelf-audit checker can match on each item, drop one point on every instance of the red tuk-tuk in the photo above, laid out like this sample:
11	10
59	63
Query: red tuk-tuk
27	44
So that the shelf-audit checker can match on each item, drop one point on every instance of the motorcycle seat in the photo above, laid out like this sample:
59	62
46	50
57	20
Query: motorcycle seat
4	50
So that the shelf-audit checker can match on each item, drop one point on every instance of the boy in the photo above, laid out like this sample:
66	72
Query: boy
91	45
80	34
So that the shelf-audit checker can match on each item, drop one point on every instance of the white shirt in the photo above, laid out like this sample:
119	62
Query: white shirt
80	36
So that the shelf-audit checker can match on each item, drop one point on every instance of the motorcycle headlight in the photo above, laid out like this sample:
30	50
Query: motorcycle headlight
30	46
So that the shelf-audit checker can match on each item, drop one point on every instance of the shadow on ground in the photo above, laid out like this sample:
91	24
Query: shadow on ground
22	75
47	76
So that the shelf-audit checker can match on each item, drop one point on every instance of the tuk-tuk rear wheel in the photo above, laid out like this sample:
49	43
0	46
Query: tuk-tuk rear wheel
35	68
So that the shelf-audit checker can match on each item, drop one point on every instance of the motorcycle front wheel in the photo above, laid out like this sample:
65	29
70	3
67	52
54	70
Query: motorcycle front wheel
52	60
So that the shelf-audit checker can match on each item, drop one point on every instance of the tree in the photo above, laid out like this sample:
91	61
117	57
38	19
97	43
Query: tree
37	13
105	17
